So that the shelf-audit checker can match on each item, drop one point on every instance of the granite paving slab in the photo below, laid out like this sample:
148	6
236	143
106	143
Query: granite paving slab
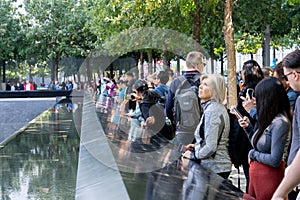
98	176
18	113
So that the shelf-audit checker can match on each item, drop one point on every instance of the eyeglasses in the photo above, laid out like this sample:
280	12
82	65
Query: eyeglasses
285	76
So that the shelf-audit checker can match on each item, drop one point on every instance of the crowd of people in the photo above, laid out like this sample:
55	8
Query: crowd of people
27	85
23	85
261	133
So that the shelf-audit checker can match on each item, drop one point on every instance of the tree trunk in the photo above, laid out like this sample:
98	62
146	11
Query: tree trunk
166	62
150	60
78	77
3	71
196	29
111	70
74	77
30	74
54	71
43	79
88	70
222	63
228	31
267	47
140	66
212	56
178	62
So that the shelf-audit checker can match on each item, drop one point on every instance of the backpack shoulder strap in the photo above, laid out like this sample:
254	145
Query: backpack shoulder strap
196	77
181	78
222	130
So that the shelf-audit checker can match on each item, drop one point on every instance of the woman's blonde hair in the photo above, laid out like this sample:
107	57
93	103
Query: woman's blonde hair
216	84
193	59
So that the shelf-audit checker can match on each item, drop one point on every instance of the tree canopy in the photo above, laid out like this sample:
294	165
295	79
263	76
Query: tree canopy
72	29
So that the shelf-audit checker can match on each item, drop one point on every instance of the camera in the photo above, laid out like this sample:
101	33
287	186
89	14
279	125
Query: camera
132	97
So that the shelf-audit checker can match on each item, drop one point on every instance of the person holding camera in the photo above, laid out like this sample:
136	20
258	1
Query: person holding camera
152	113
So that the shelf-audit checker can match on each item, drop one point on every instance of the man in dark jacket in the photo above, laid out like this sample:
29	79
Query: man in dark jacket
194	68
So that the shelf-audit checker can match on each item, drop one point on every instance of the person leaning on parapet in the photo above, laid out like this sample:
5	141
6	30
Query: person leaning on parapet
291	68
129	78
151	79
292	95
52	85
22	85
171	77
161	79
28	86
195	65
8	86
69	85
212	133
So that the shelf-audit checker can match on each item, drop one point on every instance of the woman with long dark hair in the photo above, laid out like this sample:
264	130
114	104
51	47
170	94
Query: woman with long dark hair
270	140
251	75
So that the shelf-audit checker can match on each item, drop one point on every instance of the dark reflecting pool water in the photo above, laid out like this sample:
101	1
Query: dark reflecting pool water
41	162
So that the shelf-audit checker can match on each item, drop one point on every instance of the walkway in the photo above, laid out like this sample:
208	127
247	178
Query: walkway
18	113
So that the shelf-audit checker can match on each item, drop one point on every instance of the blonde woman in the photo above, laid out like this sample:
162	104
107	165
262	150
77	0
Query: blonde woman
212	133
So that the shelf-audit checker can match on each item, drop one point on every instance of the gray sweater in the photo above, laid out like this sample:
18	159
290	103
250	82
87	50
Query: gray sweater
272	146
212	154
295	146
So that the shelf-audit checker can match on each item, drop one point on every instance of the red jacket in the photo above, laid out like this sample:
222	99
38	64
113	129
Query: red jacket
30	86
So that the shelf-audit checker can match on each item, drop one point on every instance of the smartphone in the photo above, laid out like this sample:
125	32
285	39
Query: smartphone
182	149
236	112
249	94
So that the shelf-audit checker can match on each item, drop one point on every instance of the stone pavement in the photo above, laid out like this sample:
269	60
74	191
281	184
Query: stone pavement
234	178
18	113
97	176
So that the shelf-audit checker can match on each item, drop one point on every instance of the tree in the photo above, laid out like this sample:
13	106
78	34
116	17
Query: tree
59	29
10	34
228	31
264	22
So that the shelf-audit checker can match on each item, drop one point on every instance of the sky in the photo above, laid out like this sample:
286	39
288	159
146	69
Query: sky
20	2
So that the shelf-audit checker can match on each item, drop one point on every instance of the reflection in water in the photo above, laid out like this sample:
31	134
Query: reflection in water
41	162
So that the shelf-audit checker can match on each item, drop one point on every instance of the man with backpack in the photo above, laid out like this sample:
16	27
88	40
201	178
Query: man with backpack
183	104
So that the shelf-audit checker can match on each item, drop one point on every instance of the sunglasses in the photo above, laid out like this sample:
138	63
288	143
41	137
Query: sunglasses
285	76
